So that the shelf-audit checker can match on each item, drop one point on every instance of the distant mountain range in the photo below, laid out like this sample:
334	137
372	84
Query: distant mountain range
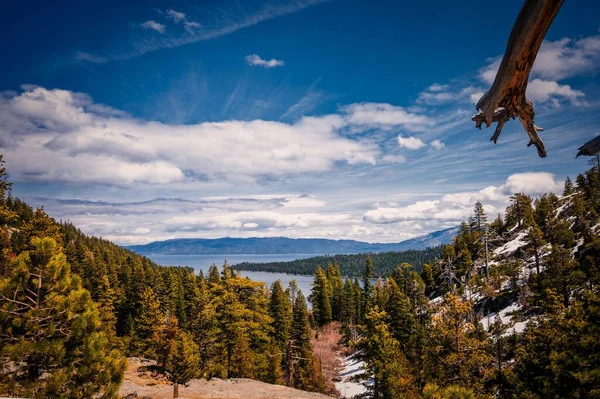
284	245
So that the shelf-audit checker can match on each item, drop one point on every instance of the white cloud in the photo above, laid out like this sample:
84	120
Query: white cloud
544	90
151	24
438	87
176	16
57	135
385	115
255	60
452	209
411	143
437	144
567	57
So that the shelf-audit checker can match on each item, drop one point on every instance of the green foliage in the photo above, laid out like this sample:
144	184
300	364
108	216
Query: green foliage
51	332
385	362
321	298
184	359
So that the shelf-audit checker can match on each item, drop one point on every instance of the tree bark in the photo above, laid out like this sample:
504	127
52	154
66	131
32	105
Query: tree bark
506	98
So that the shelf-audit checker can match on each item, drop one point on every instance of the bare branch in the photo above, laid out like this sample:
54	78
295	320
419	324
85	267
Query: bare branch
506	98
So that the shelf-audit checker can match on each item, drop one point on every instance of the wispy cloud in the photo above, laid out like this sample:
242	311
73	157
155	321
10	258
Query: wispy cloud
256	60
153	25
225	26
176	16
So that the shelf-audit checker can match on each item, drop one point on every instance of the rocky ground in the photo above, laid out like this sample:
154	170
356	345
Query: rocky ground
139	383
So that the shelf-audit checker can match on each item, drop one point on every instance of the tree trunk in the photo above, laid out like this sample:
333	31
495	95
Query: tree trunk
175	390
506	98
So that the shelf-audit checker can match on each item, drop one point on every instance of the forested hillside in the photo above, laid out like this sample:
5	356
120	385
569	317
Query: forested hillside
511	310
72	306
350	265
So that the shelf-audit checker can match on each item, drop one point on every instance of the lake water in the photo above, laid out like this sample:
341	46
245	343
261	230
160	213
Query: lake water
203	262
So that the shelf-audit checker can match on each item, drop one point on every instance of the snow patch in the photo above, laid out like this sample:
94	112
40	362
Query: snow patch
513	245
347	386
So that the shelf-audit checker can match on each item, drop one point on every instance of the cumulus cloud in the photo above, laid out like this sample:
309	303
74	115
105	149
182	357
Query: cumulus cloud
567	57
58	135
437	144
155	26
411	143
452	209
256	60
546	90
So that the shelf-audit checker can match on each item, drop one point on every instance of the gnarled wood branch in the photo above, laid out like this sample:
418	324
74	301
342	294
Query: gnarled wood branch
506	98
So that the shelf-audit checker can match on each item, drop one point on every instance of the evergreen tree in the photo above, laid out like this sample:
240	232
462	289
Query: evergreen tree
280	310
300	362
336	286
519	212
274	373
536	242
320	298
150	316
569	188
384	359
184	361
479	217
367	287
51	333
460	354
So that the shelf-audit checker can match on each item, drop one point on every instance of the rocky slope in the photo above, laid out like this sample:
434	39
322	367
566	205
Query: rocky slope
140	383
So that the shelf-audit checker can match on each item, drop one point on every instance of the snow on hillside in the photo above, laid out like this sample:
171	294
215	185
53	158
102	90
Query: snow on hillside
511	246
347	386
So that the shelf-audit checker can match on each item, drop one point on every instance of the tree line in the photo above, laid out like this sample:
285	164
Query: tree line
349	264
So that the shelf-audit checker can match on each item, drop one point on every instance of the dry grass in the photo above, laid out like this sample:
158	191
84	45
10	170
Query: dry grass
326	347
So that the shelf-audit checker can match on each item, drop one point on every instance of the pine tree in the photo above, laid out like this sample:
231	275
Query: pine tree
519	212
367	287
150	316
184	361
320	298
163	338
399	316
479	217
213	275
300	362
280	310
460	353
536	242
562	273
50	328
384	359
336	286
569	188
274	373
107	299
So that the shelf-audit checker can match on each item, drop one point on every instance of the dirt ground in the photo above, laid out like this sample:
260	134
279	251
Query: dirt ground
147	385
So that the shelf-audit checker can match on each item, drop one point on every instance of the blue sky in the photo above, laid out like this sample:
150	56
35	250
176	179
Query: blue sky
307	118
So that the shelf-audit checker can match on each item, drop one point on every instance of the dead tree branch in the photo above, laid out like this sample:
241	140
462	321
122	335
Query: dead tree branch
506	98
